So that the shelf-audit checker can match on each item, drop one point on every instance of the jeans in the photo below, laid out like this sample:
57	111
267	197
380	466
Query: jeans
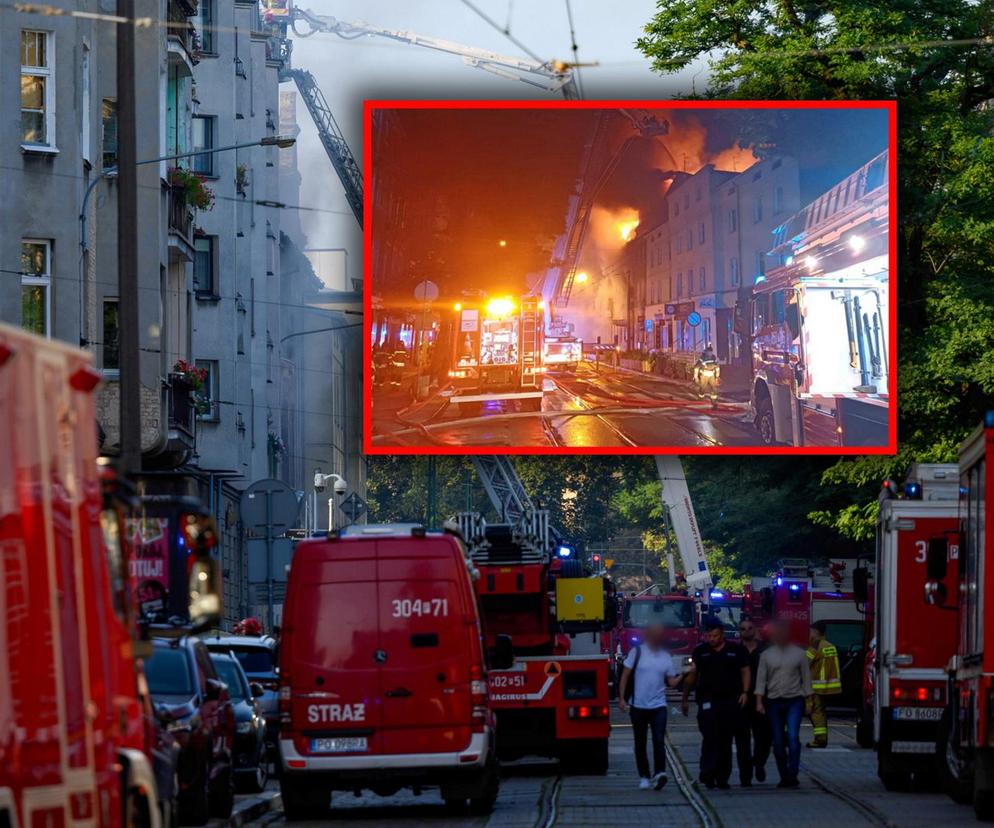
785	720
642	720
718	724
752	742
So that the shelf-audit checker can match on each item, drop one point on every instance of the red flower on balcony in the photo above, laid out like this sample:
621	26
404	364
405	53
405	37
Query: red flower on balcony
196	192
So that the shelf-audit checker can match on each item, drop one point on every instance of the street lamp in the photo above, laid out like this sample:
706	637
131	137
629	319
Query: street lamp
321	482
280	141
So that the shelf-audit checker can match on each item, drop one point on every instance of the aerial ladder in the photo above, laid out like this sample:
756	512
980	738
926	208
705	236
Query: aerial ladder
552	76
503	486
597	164
678	512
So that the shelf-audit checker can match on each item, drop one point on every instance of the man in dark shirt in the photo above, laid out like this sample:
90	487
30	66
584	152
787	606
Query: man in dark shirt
752	739
720	672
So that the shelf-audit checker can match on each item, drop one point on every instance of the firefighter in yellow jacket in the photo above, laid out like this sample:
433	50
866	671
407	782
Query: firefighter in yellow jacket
825	680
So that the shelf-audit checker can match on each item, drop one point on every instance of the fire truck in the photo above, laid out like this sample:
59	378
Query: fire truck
542	620
912	643
728	607
958	578
802	594
75	723
562	352
818	320
678	612
497	351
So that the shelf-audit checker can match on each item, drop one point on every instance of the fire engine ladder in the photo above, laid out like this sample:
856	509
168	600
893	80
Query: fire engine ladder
332	139
599	162
529	350
503	487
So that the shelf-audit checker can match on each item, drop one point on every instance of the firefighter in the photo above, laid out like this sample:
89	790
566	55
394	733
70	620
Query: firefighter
825	680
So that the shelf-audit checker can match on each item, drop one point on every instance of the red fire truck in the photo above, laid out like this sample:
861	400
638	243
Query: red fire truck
728	607
678	612
959	577
497	351
812	384
75	729
552	699
912	643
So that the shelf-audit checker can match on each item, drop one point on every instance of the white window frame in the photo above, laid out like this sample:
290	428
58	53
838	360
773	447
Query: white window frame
44	280
85	98
47	72
213	388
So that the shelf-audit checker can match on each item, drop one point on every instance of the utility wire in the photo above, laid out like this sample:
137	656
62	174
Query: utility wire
504	30
575	48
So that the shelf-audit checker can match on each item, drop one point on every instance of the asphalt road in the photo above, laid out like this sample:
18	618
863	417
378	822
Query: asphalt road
595	406
839	787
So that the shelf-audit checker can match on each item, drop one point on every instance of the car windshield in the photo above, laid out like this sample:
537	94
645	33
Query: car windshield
168	673
228	671
728	614
254	660
670	613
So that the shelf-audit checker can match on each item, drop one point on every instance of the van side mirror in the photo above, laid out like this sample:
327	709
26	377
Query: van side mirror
937	560
861	584
257	690
503	653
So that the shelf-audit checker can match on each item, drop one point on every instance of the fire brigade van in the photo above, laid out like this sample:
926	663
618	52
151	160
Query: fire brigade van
960	578
818	320
75	737
562	352
382	677
913	643
497	351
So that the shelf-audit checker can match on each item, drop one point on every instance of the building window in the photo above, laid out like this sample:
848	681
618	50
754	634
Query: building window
757	210
205	27
203	139
676	208
679	244
733	267
37	89
778	201
703	280
733	220
690	239
679	284
205	266
700	233
36	286
111	347
209	410
760	263
108	119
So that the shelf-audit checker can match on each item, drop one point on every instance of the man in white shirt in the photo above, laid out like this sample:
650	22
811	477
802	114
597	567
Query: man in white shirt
648	669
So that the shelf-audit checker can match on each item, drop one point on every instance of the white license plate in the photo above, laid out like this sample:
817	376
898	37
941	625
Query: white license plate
918	714
341	744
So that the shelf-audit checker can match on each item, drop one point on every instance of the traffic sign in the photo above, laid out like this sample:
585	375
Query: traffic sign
426	291
679	309
694	319
353	507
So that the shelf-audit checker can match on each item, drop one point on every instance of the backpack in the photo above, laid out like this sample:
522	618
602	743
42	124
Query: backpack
630	688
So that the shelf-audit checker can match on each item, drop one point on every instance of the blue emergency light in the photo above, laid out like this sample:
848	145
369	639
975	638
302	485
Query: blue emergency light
989	419
565	551
794	587
717	594
779	581
913	490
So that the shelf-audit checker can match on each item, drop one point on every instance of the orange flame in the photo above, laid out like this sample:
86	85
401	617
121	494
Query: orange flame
627	229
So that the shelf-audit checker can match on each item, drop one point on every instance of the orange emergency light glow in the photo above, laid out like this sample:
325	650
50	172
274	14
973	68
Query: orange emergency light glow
503	306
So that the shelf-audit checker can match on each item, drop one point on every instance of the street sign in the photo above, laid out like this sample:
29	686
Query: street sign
426	291
608	563
679	309
353	507
693	319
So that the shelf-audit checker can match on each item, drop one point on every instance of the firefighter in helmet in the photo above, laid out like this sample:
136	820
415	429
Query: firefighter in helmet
825	680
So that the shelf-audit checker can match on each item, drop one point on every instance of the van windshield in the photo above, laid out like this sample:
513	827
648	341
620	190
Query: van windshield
670	613
168	673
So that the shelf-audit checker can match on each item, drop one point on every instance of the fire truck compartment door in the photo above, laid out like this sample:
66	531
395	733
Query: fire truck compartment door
579	599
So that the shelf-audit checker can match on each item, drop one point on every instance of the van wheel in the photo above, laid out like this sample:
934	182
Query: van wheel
954	771
765	424
864	728
302	800
892	780
222	795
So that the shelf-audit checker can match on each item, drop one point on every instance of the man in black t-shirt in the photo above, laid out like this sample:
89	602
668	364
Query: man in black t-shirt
720	672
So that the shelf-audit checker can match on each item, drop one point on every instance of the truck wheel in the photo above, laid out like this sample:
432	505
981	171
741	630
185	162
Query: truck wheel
302	800
954	771
765	424
893	780
222	795
864	728
983	804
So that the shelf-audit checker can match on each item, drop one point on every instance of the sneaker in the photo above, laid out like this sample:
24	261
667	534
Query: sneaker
816	745
760	773
707	780
645	784
659	780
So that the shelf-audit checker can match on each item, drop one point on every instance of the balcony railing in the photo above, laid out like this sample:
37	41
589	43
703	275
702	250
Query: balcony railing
180	214
182	412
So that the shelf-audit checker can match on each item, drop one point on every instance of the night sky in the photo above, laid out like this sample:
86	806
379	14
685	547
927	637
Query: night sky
507	174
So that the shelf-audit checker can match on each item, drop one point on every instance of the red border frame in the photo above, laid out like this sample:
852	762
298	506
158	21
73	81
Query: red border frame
369	106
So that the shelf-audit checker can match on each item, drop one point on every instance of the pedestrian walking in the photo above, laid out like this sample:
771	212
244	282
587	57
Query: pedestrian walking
825	679
752	739
648	670
784	692
720	673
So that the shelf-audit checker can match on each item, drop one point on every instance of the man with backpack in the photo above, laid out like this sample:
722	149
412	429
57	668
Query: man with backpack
648	670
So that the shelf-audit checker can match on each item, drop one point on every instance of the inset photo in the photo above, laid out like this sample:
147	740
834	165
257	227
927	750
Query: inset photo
674	277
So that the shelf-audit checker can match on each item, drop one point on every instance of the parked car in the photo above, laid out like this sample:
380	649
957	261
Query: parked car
258	657
250	759
383	681
195	706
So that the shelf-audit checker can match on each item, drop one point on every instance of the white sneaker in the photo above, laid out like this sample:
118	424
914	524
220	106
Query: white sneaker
645	784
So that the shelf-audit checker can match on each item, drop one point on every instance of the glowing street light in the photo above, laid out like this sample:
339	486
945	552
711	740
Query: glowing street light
857	243
503	306
581	277
457	307
502	243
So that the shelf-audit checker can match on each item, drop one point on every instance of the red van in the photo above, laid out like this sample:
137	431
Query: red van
382	677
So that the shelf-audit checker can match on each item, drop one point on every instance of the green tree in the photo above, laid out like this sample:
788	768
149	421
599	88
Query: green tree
934	57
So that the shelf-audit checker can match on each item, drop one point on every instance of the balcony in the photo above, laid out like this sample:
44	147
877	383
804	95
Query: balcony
182	40
180	225
181	412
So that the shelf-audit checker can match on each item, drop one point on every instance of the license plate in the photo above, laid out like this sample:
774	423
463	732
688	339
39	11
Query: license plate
918	714
342	744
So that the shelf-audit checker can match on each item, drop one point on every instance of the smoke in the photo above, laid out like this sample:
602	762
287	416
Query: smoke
686	149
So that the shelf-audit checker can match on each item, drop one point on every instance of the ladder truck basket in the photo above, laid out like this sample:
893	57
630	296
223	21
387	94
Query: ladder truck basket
524	542
532	533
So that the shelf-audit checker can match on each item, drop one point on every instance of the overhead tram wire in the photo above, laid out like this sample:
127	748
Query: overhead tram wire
575	48
504	30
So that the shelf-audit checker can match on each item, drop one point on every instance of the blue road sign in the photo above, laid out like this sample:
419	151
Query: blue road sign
693	319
